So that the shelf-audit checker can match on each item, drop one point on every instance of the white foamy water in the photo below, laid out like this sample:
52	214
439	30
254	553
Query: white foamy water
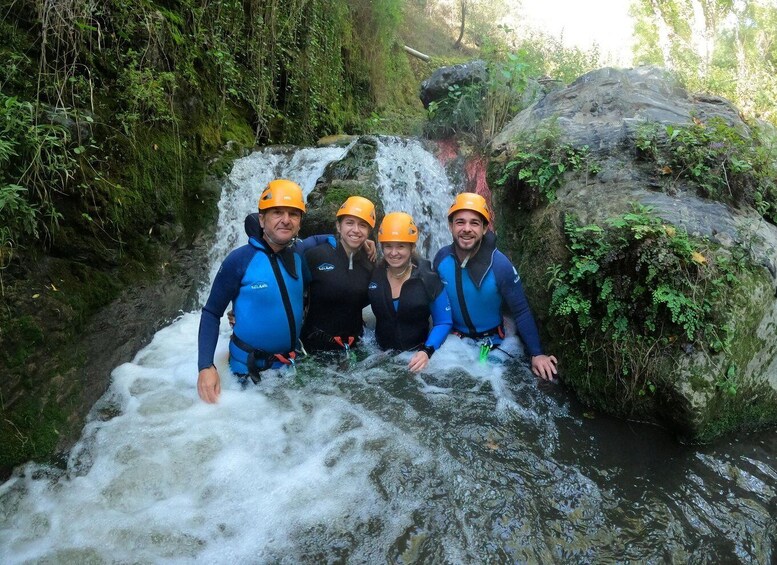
412	180
247	180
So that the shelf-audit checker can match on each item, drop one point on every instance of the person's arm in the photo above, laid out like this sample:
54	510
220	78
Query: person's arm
225	288
442	322
511	289
371	250
302	245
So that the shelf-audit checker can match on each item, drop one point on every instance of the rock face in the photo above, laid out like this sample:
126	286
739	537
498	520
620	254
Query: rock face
354	174
602	110
436	86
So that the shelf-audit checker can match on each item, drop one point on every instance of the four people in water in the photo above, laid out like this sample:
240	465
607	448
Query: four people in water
265	279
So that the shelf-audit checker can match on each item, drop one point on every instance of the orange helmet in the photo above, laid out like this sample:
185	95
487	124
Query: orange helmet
359	207
470	201
282	192
398	227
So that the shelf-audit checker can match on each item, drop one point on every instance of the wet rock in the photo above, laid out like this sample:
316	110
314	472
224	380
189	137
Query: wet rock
436	86
603	110
354	174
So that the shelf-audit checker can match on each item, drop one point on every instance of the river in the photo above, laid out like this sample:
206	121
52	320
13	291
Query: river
469	462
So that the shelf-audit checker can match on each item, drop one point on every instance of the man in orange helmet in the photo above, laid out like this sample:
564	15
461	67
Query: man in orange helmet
480	279
264	281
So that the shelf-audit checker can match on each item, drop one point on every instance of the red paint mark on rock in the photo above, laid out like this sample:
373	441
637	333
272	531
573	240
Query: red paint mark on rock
448	150
475	170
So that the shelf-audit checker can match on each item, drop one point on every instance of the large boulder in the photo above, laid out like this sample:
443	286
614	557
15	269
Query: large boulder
436	86
698	391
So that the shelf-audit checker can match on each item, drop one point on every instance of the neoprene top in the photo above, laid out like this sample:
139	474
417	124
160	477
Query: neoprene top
478	291
405	326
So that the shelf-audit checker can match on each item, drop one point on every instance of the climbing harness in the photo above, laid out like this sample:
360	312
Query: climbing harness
259	360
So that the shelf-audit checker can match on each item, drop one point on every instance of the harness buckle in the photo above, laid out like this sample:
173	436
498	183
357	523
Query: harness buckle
485	347
346	345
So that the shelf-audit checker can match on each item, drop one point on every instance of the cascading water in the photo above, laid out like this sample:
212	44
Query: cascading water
467	463
412	180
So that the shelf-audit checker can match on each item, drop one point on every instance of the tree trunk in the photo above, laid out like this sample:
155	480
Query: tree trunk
463	19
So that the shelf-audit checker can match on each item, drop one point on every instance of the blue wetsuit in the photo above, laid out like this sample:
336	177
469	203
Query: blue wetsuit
267	319
478	291
404	323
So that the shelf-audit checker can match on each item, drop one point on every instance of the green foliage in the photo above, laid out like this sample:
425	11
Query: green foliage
719	161
79	136
481	109
547	56
36	163
637	290
537	166
147	96
458	113
18	218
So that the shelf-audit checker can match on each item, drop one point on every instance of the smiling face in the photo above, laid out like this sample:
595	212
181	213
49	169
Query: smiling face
280	224
397	255
468	229
353	232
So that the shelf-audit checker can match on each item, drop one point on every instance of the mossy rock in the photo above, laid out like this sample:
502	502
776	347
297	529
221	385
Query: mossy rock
353	175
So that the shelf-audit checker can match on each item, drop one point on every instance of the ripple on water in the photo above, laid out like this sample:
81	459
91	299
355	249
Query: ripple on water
69	556
164	402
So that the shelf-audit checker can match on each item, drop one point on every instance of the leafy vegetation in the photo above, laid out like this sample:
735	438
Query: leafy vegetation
79	108
537	167
478	111
637	291
720	162
717	46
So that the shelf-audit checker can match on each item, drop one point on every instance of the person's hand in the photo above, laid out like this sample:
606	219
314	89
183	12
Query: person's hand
544	366
419	361
209	385
371	250
231	318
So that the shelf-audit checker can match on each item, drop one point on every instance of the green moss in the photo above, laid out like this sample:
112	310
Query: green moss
21	336
699	383
748	412
30	430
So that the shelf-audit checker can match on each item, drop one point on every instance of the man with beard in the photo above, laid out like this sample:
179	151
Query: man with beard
480	280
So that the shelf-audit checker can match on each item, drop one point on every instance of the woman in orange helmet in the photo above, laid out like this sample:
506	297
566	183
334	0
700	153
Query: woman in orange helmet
340	271
404	292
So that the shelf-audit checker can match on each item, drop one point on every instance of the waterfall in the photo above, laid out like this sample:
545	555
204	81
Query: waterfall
412	180
247	180
468	462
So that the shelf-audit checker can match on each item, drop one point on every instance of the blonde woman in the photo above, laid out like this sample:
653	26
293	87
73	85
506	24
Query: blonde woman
405	292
